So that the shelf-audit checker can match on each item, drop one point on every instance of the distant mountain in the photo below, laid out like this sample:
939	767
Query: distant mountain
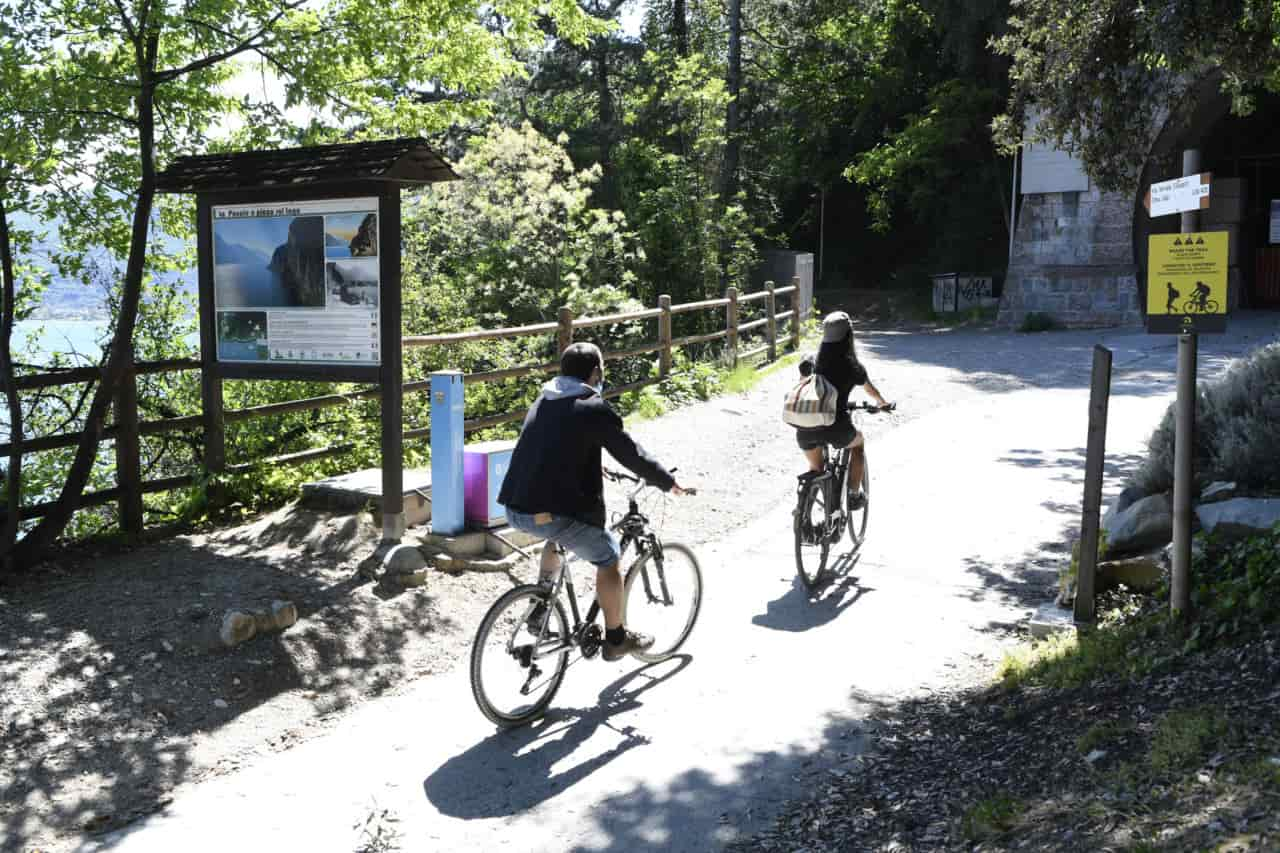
334	240
235	253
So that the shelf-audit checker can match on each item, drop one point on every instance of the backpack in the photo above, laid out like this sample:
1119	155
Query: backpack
811	403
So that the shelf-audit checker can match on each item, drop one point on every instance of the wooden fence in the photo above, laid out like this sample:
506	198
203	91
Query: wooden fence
128	429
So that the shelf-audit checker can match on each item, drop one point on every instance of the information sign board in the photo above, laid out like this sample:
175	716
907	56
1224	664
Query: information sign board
1187	282
297	282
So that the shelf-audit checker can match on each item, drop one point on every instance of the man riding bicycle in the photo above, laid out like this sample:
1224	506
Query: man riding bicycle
554	488
837	362
1200	295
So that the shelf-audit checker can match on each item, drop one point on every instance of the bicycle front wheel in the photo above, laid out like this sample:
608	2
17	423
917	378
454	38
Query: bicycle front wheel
813	543
662	597
511	683
858	518
1211	306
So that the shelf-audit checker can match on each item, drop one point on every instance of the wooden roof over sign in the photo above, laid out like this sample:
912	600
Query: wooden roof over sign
406	162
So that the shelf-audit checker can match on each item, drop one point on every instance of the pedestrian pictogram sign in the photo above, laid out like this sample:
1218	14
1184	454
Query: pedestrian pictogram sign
1187	282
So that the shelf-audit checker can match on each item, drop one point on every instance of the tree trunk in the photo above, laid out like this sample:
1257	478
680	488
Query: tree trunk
680	27
729	179
13	476
608	197
33	545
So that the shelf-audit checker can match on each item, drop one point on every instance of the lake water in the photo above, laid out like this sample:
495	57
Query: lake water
250	285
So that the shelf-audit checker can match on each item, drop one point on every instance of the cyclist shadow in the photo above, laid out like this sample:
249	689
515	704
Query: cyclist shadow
799	609
512	769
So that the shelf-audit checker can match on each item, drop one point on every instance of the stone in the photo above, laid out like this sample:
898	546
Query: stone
1238	518
1218	492
1128	496
402	559
220	703
167	646
236	628
1147	523
284	613
411	579
1137	573
1095	756
1051	619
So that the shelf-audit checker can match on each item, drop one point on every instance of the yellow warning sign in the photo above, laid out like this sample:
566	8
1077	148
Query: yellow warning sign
1186	281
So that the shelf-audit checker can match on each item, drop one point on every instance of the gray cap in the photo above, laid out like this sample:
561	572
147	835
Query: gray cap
836	326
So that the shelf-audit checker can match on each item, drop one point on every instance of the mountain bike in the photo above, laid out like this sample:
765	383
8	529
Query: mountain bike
1195	305
822	508
521	651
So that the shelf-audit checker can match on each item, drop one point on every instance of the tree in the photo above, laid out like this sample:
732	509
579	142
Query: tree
131	83
1103	76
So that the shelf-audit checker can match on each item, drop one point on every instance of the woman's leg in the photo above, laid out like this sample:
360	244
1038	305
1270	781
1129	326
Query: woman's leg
857	461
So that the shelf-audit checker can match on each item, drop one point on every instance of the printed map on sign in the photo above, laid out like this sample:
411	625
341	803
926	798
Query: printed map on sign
1187	282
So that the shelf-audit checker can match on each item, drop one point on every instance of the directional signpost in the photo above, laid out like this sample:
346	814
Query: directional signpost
1179	195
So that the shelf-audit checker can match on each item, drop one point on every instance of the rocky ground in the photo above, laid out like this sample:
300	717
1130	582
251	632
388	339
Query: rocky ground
1185	757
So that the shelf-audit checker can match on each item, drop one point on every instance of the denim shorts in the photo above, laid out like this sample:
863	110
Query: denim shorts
594	544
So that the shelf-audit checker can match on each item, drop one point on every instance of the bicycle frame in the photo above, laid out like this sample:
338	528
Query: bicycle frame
633	528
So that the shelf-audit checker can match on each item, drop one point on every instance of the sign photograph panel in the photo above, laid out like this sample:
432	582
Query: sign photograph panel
1187	282
297	282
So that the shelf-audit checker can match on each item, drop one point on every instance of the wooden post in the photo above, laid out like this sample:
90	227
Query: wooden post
664	336
129	451
1095	455
771	328
795	314
731	324
565	332
215	453
1184	437
391	376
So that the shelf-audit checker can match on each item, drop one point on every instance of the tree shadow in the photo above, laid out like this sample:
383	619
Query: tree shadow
115	679
520	761
798	609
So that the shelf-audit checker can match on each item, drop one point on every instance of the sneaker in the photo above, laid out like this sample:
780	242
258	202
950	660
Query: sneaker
857	501
634	642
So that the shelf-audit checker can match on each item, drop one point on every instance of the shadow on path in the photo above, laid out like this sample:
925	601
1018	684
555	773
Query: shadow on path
516	769
798	609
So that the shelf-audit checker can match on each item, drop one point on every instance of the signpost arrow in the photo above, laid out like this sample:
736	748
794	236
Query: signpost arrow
1179	195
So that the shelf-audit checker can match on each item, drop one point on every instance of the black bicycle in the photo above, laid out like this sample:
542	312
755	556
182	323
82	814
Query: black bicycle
823	511
521	651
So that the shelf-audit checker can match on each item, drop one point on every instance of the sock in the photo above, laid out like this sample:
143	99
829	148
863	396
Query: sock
615	635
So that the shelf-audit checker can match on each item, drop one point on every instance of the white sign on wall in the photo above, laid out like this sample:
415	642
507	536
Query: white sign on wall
1180	194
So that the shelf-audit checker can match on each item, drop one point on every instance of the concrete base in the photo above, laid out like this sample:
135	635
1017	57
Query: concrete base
1051	619
478	543
359	489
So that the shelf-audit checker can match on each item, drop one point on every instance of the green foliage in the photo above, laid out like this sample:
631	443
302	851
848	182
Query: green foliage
1237	436
1037	321
1103	75
1101	733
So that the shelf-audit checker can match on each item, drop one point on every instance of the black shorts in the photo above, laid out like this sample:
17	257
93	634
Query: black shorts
839	434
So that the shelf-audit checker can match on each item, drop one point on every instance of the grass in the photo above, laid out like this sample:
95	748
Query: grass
1070	660
990	817
1184	737
1101	733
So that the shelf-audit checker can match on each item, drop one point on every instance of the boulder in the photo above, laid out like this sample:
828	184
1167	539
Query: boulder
1217	492
237	627
1145	524
1128	496
1138	573
403	560
284	614
1238	518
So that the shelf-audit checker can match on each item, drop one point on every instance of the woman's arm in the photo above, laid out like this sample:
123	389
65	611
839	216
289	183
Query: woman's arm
874	393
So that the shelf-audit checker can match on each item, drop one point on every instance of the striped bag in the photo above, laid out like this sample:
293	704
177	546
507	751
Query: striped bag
811	403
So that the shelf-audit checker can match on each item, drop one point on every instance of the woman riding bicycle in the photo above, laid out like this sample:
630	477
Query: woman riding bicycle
837	362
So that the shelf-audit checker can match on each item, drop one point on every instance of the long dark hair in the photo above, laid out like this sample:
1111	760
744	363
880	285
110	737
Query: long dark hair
831	353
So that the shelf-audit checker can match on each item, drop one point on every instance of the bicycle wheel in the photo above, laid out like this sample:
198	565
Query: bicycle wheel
509	685
1211	306
662	598
858	518
812	542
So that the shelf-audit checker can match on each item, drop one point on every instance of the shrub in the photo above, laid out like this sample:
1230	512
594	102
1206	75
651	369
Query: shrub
1038	321
1237	429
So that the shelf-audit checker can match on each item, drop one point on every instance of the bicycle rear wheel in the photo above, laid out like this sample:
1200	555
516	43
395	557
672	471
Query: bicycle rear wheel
810	527
858	518
662	597
509	685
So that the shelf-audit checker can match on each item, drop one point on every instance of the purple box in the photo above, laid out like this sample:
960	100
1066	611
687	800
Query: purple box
483	466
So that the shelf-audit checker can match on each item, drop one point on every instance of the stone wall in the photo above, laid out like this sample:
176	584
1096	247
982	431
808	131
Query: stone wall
1073	260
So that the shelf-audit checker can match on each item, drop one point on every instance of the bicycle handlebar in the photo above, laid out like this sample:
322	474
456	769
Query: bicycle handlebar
619	477
868	407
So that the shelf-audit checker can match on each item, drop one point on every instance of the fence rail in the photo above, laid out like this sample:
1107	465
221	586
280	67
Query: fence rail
127	429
